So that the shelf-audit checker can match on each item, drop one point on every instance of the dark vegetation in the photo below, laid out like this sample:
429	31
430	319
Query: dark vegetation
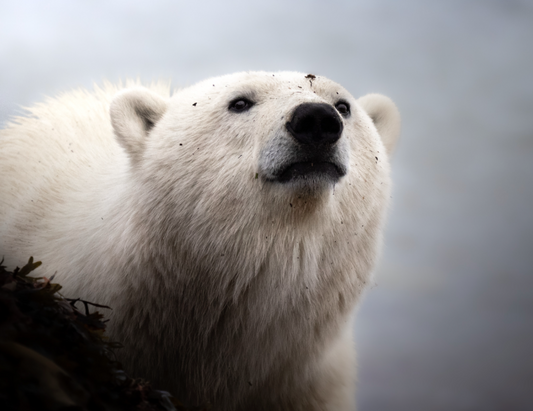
54	354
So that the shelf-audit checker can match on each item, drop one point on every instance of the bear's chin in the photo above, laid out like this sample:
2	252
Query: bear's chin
314	172
310	185
310	179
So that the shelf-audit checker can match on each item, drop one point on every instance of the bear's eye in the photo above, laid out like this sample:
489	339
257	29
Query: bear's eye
240	104
343	108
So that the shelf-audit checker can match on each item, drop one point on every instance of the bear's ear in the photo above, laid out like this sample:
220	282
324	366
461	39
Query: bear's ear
134	112
385	116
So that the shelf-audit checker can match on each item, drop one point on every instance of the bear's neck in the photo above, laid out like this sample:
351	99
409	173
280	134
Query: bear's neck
230	291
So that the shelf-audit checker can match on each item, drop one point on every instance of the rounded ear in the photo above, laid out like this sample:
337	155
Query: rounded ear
385	116
134	112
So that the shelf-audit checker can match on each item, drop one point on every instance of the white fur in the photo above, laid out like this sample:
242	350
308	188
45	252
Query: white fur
224	286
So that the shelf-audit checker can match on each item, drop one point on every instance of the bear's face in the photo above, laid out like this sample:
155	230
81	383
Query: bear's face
299	129
271	149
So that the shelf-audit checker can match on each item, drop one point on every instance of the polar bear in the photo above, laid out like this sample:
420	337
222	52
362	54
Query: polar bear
231	226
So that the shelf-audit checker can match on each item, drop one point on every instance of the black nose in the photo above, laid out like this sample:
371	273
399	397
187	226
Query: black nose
315	124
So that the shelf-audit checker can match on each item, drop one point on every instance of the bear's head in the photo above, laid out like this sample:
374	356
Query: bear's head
251	160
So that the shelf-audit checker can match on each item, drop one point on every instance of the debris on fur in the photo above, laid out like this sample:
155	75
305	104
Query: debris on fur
54	357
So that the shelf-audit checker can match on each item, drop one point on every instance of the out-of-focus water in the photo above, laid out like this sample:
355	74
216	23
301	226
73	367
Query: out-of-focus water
449	325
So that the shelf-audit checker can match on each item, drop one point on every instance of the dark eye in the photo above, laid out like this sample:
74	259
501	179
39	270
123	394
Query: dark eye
343	108
240	104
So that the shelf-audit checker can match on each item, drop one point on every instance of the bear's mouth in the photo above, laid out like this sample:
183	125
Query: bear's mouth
311	169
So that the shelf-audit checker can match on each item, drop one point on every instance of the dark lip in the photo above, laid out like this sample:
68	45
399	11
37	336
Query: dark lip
316	169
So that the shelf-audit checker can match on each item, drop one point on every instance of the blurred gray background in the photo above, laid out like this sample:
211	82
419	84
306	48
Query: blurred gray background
449	322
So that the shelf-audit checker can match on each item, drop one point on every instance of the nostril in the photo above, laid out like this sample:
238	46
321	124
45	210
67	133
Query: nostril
316	124
330	125
304	125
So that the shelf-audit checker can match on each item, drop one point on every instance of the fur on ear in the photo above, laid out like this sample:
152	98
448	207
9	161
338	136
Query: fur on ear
385	116
134	112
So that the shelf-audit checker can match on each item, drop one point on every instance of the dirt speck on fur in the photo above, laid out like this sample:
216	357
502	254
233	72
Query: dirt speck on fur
311	77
